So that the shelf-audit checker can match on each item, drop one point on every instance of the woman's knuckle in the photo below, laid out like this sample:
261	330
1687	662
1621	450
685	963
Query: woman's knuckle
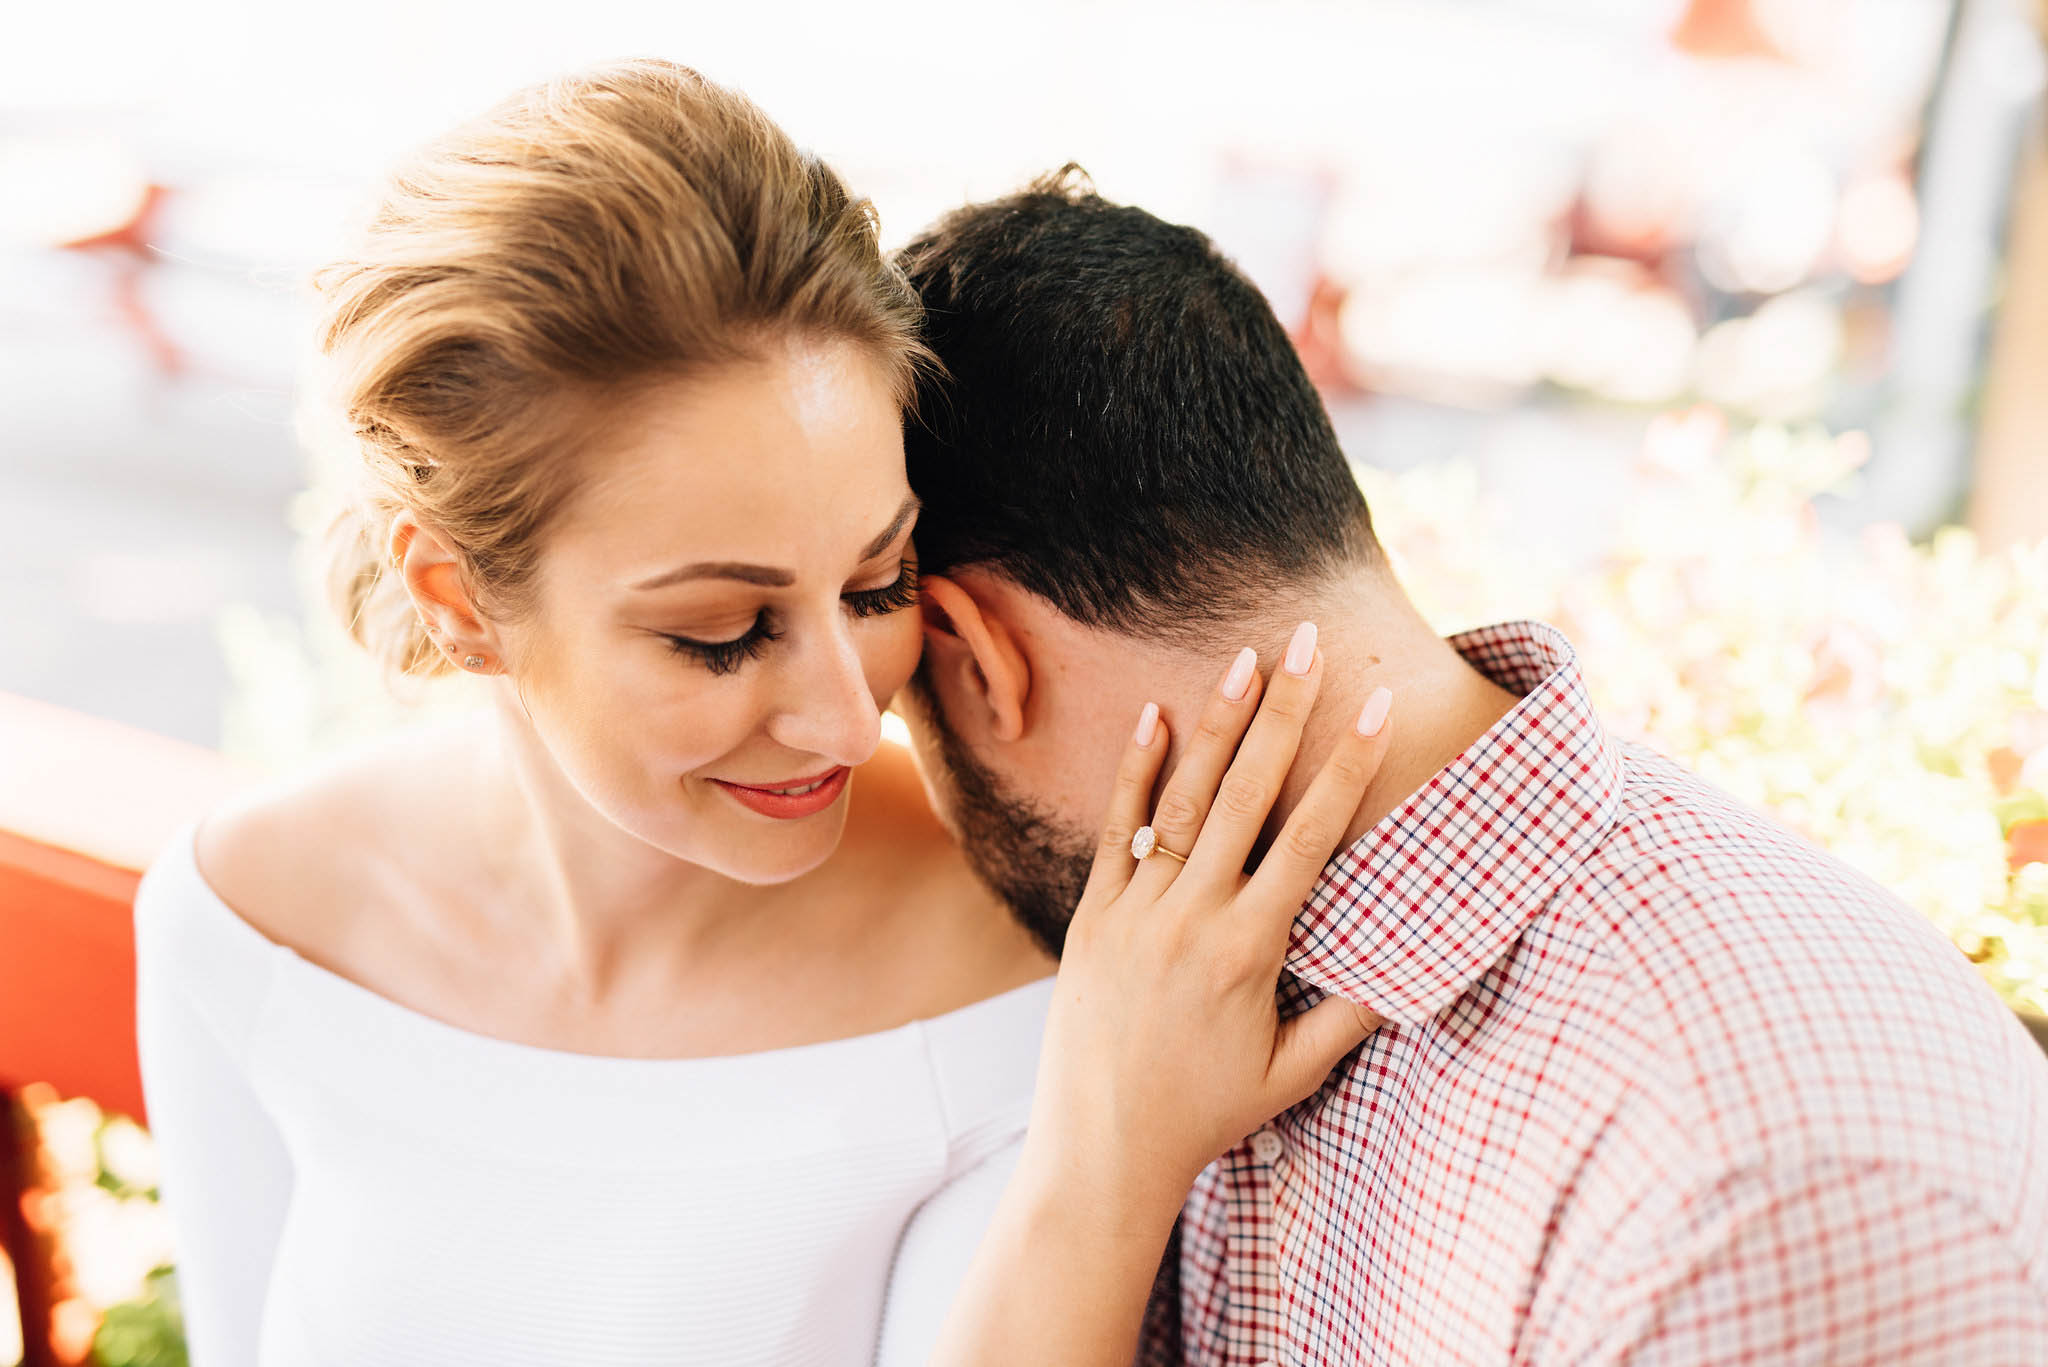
1285	706
1349	767
1232	967
1244	797
1311	841
1217	729
1177	810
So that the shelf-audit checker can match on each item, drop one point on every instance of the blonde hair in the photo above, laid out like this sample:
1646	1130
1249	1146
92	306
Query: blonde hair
629	222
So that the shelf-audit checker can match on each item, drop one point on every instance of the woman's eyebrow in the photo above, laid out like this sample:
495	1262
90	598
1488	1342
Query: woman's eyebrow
895	528
769	576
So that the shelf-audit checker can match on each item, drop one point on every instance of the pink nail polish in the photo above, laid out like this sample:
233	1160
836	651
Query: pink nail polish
1301	651
1148	724
1238	681
1374	715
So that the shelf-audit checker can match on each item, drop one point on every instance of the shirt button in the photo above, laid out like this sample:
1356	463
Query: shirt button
1266	1146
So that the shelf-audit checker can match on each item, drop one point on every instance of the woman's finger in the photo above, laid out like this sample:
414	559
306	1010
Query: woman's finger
1244	798
1288	871
1184	804
1130	799
1309	1046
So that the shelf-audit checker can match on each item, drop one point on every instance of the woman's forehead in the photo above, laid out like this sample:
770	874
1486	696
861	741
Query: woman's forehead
799	455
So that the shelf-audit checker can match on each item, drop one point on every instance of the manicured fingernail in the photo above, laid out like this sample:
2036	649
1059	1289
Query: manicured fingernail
1301	651
1375	714
1148	724
1238	681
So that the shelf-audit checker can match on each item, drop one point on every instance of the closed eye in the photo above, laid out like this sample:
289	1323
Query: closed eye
726	657
723	657
891	598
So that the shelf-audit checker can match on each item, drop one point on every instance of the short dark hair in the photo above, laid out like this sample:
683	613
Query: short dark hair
1124	427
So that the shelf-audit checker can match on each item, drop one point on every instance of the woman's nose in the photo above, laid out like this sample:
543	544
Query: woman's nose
825	706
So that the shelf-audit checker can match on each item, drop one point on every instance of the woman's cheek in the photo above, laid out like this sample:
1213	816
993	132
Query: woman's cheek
891	660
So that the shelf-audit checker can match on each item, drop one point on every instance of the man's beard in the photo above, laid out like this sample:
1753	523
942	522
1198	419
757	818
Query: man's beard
1030	859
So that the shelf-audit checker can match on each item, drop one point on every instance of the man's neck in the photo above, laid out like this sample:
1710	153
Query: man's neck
1371	637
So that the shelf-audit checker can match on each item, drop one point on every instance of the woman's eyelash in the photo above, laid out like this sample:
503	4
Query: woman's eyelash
893	598
725	657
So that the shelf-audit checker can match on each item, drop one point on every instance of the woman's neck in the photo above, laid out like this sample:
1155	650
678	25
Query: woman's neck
599	902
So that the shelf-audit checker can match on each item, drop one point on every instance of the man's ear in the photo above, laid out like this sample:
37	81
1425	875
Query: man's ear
965	639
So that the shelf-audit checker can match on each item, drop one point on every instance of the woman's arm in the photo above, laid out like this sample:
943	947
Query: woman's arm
225	1177
1164	1046
1062	1275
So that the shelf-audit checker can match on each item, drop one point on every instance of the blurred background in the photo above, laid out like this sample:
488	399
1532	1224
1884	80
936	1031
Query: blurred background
1505	231
1710	329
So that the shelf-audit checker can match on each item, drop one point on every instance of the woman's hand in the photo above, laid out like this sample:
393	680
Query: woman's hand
1165	1046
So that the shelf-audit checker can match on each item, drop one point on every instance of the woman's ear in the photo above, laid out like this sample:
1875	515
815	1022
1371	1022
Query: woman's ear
965	640
426	565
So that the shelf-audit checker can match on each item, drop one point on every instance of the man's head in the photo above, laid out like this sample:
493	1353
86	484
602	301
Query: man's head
1126	476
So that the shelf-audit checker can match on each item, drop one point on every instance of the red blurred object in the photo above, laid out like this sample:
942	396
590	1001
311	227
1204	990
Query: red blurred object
132	236
87	805
1722	28
129	245
2026	843
67	982
1649	242
1320	344
67	1015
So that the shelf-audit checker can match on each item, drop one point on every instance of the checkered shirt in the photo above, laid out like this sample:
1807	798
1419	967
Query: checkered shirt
1661	1084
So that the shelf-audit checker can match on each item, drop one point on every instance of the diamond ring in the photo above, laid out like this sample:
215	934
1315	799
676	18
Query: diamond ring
1145	844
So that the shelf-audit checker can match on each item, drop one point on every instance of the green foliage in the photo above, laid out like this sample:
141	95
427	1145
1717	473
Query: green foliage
146	1332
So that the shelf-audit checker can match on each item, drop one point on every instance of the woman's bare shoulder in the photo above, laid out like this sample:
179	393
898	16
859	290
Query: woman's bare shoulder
294	856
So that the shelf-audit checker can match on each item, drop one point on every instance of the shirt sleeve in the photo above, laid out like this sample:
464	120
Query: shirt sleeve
224	1174
1839	1262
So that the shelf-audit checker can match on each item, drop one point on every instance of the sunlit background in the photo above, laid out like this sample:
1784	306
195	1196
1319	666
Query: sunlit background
1711	329
1505	232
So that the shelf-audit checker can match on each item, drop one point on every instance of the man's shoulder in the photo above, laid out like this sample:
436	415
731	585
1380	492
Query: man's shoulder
1788	1007
1687	865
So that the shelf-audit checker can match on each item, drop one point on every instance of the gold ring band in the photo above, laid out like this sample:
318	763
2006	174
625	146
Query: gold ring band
1145	844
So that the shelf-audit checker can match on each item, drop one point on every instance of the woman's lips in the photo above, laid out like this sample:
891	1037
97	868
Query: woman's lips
811	795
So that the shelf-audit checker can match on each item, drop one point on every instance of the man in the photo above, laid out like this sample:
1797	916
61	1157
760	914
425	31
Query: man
1660	1082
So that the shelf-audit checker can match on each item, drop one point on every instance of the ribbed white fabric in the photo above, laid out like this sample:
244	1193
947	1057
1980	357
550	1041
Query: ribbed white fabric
353	1183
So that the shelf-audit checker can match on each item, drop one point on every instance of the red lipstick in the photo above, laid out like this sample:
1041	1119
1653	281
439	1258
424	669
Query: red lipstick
789	801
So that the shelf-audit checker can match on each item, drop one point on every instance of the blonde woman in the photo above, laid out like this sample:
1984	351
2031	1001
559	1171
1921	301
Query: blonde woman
634	1018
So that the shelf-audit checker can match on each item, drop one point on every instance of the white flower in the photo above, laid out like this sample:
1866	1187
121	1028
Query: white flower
1884	699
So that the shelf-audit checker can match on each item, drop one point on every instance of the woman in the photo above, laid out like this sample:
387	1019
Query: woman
621	1022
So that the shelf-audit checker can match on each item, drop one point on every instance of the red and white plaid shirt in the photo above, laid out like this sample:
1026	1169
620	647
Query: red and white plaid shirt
1661	1083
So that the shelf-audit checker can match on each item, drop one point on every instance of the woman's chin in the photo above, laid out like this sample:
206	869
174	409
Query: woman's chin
783	853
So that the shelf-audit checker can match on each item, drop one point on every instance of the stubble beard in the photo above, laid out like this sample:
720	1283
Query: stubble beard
1026	855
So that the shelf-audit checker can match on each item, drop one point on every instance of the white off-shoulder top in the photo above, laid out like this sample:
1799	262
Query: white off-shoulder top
352	1183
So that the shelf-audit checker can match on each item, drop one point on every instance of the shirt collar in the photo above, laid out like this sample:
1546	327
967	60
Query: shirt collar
1410	916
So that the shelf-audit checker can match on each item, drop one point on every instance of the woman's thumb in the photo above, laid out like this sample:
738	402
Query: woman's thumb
1310	1045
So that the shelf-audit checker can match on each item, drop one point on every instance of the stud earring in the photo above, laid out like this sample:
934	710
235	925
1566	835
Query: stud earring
472	662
